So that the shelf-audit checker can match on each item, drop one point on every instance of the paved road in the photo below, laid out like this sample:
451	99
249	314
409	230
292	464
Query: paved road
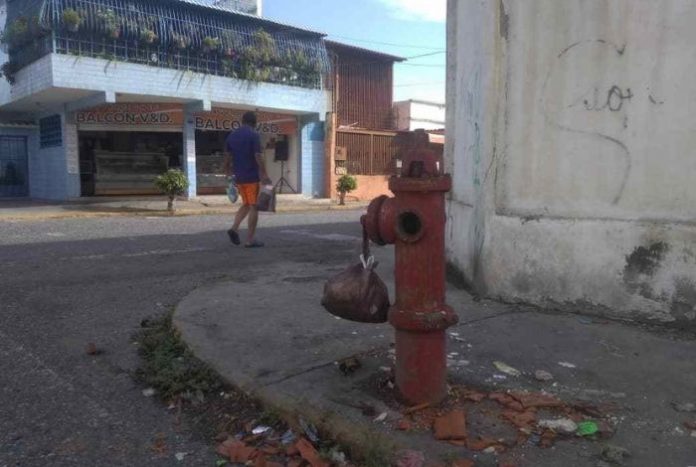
65	283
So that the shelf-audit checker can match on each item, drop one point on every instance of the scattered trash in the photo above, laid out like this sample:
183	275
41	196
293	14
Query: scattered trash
261	429
92	349
534	440
567	365
489	450
684	407
587	428
310	454
454	334
404	425
499	377
382	417
288	437
615	454
337	457
507	369
349	365
562	425
584	320
410	458
451	426
149	392
417	408
180	456
309	430
543	375
385	369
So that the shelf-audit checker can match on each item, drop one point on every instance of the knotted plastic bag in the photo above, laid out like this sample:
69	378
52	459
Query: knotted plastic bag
358	294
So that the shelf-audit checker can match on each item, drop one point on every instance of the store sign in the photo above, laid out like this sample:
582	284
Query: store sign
133	114
172	115
229	119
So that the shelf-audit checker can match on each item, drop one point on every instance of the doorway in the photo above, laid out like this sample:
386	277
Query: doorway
14	171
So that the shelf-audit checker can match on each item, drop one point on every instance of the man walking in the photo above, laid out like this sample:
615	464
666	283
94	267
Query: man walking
244	161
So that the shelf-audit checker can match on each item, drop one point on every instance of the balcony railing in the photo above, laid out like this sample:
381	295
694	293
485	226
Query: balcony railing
167	34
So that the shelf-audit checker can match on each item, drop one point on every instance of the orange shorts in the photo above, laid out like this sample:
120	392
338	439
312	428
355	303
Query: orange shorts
249	193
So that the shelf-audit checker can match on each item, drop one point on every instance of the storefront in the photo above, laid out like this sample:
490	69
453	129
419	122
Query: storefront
123	147
278	142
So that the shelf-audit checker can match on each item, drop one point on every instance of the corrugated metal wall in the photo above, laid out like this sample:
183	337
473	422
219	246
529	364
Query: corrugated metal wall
365	93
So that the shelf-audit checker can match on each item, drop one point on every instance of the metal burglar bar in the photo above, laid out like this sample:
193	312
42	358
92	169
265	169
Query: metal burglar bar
174	35
14	174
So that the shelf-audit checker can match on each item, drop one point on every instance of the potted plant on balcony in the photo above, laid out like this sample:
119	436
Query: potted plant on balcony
109	22
16	33
148	36
210	44
72	19
345	185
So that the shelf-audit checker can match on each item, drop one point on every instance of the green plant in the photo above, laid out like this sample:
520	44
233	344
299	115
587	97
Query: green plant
172	183
264	50
16	33
169	366
210	44
109	22
148	36
345	184
9	71
71	19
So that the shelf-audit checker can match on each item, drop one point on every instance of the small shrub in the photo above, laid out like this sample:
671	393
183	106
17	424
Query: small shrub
172	183
71	19
346	184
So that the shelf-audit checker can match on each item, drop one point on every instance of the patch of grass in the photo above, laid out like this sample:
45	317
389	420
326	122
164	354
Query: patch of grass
169	366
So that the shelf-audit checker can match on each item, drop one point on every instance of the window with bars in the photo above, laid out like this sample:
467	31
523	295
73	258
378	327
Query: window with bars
51	132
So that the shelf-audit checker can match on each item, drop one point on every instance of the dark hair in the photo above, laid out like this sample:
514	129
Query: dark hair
249	118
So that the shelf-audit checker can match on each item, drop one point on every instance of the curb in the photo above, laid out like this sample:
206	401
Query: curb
360	438
127	212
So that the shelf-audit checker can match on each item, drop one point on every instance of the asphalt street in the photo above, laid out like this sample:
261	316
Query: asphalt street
65	283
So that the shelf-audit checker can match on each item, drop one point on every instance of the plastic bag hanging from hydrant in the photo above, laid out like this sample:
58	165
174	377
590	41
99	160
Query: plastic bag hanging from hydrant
358	294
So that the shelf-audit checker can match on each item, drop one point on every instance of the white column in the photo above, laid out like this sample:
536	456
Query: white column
189	156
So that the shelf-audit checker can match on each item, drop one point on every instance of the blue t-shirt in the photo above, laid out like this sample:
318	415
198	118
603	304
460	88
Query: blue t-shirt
244	144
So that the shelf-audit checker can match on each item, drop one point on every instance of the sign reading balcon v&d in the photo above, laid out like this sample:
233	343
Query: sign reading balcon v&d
117	117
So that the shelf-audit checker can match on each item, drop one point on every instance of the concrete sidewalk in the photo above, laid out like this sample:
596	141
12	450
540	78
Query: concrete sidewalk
271	337
150	206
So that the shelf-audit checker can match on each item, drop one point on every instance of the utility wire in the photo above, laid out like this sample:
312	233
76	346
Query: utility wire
393	44
427	55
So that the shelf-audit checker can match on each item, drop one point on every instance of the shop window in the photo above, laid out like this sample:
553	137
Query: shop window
51	132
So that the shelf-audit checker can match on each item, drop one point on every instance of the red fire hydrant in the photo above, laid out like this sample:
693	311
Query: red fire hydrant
414	220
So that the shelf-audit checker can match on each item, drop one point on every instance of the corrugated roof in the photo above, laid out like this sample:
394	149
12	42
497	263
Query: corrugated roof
209	4
363	50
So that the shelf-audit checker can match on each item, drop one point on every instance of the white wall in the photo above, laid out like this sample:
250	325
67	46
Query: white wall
571	143
419	115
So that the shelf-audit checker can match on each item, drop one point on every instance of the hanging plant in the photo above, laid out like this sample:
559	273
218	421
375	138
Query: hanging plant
264	50
9	71
210	44
148	36
71	20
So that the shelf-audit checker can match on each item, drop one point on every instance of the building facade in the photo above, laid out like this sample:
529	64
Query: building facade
361	126
413	115
99	97
572	134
